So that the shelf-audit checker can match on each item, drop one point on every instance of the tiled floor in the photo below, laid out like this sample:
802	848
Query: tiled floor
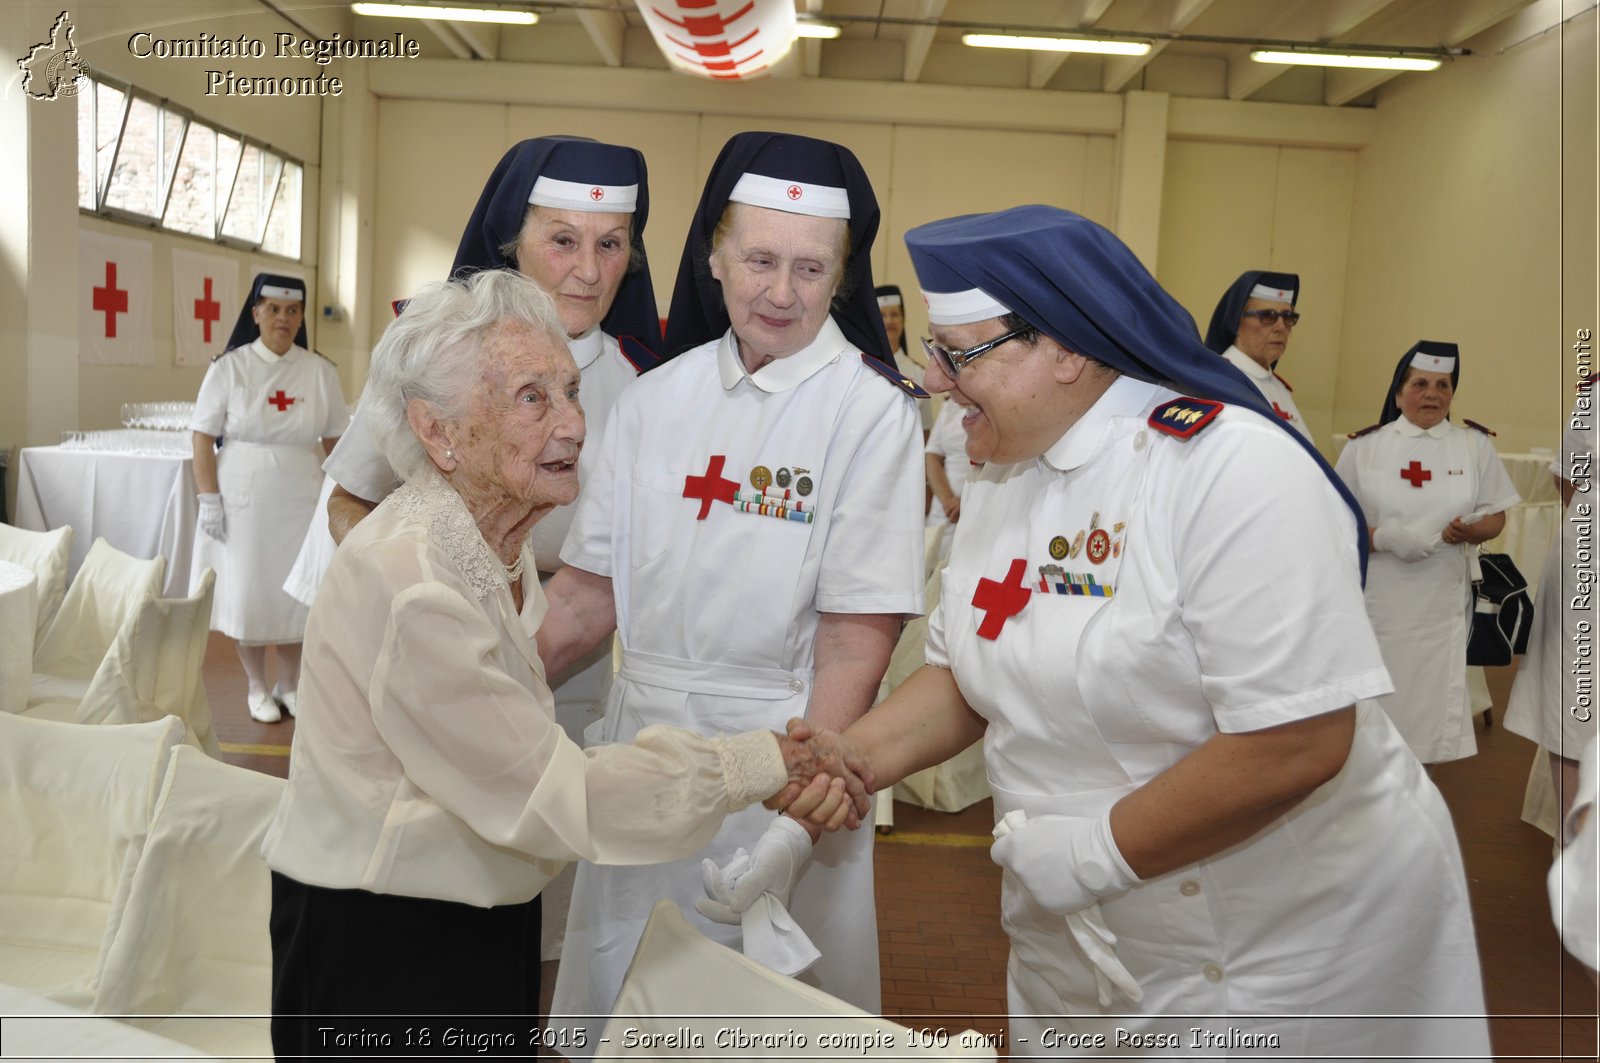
943	955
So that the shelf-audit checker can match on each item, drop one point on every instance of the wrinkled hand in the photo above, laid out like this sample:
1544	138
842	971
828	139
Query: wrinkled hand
1408	544
212	519
838	757
1066	863
952	508
772	867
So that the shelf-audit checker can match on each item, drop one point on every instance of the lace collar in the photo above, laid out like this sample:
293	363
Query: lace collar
428	499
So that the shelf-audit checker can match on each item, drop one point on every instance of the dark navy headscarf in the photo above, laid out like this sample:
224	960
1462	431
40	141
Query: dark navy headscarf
1225	318
245	329
1080	285
698	314
1428	349
502	208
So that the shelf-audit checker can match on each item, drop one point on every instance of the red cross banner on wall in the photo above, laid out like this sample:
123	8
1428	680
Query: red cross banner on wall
727	40
114	283
205	302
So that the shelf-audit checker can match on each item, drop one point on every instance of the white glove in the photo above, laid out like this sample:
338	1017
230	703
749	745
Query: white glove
1066	863
1088	928
1408	544
212	520
780	855
752	892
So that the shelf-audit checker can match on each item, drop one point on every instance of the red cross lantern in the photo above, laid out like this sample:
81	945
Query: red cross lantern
1001	601
111	300
712	487
280	400
207	310
729	40
1415	473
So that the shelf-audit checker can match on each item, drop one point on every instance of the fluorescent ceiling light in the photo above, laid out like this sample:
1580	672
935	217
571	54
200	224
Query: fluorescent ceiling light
451	14
1055	44
1365	62
818	30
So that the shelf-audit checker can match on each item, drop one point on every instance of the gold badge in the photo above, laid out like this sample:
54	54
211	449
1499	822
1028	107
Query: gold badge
1058	547
760	477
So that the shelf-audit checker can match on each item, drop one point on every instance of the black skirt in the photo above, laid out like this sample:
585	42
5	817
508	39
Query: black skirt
373	976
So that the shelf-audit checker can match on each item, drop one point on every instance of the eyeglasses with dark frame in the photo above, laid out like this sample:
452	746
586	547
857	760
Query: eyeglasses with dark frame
1270	317
952	361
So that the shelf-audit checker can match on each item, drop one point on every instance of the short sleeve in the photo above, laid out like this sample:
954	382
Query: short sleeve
337	416
211	405
872	561
356	465
1269	581
1496	492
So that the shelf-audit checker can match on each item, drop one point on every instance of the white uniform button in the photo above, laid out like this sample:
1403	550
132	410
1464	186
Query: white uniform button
797	685
1139	439
1189	887
1212	972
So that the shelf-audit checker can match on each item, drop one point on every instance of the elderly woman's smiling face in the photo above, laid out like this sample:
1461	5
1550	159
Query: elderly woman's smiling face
778	273
517	441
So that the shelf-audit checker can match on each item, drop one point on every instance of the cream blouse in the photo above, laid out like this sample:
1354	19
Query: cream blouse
427	761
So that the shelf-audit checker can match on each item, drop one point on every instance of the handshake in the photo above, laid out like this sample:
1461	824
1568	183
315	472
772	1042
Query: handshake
830	782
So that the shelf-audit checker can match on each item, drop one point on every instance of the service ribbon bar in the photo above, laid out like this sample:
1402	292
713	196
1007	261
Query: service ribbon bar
771	509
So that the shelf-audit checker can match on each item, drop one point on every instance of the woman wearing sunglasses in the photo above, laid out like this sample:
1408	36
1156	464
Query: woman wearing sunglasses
1250	328
1212	838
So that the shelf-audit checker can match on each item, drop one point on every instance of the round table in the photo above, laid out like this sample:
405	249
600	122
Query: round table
18	589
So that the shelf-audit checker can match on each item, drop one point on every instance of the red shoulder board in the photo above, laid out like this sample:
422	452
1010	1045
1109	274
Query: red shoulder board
398	305
1367	431
1287	386
638	355
1474	424
893	375
1184	417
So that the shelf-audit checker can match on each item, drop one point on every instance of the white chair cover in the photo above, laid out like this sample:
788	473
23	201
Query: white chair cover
74	805
961	781
681	982
152	670
107	591
193	936
48	555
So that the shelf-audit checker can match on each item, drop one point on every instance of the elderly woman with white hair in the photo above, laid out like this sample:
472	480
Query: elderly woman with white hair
432	793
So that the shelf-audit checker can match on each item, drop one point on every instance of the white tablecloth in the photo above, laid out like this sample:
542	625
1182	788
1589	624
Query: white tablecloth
18	587
47	1029
143	506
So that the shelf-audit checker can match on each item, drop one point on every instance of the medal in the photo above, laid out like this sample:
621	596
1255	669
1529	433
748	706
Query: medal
784	477
760	477
1099	546
1077	545
803	485
1058	547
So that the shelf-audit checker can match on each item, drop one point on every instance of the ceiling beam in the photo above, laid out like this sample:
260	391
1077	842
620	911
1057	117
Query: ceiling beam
606	31
446	35
1120	69
1309	20
483	40
920	39
1082	14
1448	26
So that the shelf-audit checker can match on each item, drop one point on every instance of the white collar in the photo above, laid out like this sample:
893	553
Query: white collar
428	499
1246	364
587	347
1125	397
782	373
263	352
1406	428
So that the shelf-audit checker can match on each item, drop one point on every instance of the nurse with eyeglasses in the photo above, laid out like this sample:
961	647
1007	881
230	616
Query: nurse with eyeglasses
1250	328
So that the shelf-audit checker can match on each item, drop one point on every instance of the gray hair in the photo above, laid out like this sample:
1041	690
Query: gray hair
432	352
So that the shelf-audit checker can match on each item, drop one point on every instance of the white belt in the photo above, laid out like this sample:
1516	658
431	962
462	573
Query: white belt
709	677
1086	804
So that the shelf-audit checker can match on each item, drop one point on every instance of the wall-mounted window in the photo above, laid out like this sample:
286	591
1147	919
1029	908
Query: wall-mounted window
144	160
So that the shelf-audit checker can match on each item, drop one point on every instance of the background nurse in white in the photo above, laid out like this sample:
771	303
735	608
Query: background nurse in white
1251	327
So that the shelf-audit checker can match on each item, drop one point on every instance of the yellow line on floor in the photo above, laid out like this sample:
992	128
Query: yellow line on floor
253	750
911	837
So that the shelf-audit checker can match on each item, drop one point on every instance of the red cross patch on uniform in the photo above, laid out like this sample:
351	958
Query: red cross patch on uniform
1183	418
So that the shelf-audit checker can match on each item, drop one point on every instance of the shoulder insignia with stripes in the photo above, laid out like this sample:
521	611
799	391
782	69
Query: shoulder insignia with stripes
1485	429
894	376
642	358
1183	418
1359	432
1286	385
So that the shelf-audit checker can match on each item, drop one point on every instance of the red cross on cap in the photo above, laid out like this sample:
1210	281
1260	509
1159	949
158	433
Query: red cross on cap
597	193
795	192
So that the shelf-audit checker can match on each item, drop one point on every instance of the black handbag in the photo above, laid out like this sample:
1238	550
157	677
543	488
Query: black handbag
1501	611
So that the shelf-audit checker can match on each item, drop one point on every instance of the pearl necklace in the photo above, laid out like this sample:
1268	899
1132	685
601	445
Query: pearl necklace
514	572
